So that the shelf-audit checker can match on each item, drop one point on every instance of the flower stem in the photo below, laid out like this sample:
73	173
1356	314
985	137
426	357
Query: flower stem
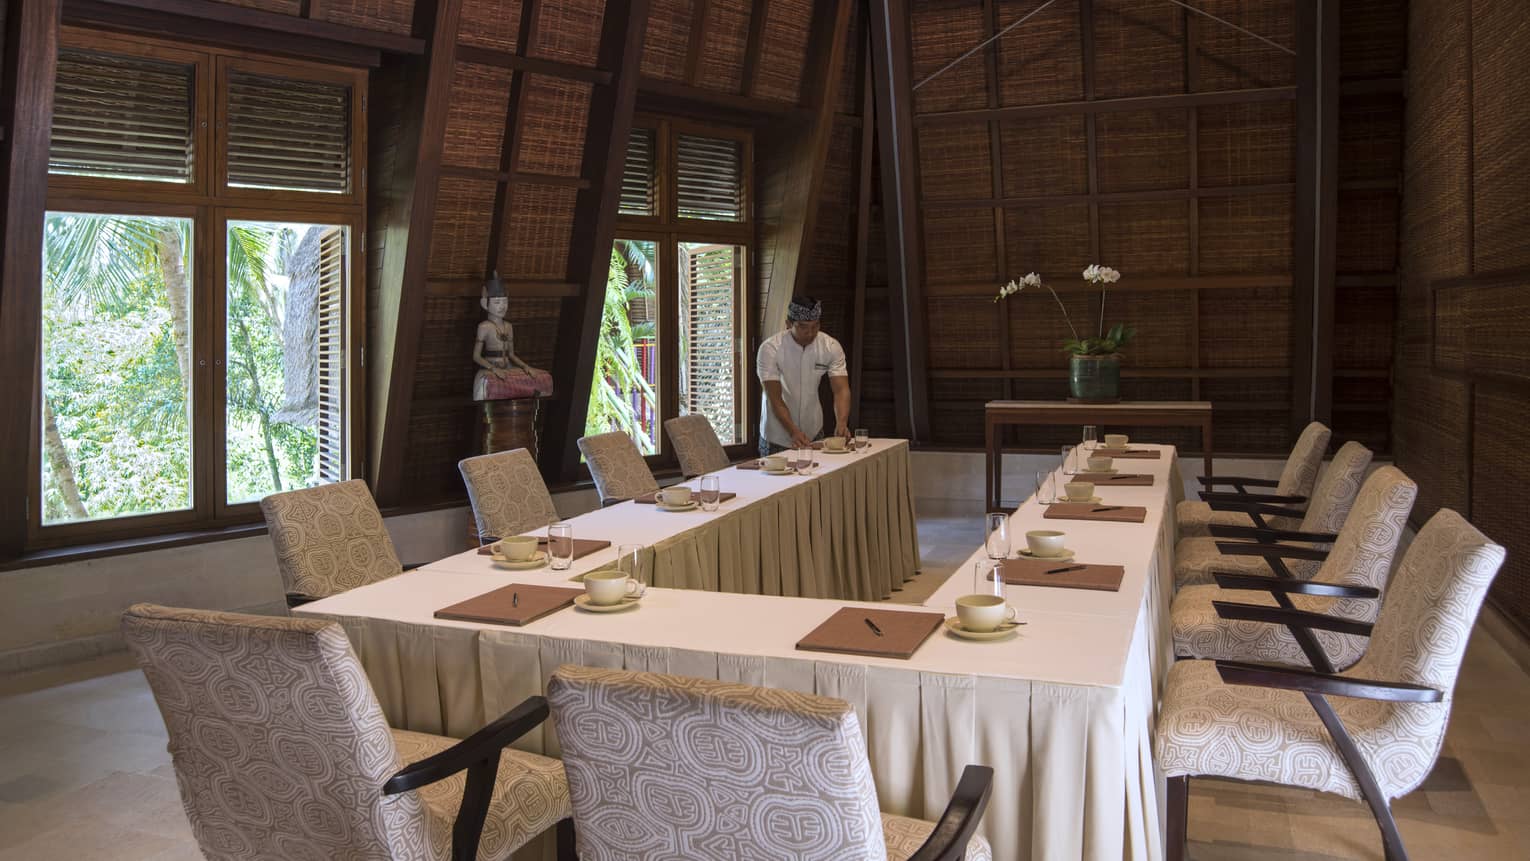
1102	309
1064	309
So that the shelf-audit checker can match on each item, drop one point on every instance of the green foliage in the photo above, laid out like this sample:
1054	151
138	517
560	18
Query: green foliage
618	376
1118	337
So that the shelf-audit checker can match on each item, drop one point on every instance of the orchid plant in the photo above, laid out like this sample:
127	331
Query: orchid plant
1103	343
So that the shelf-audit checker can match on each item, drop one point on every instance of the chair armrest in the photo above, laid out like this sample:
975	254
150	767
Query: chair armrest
1261	508
1279	551
481	745
410	566
1234	611
1306	681
1235	480
954	829
1268	536
1233	496
296	600
1288	587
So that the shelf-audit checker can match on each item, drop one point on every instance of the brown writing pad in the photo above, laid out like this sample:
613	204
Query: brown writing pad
847	632
652	498
1137	453
582	546
1033	572
512	605
1113	479
1088	511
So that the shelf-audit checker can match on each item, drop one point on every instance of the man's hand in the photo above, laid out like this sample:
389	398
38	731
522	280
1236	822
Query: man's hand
842	430
800	439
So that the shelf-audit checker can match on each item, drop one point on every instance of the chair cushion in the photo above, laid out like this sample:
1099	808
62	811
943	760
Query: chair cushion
1200	633
530	796
1193	516
1197	558
904	836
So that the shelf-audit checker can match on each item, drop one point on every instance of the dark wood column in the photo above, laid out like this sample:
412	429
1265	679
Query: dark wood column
1317	195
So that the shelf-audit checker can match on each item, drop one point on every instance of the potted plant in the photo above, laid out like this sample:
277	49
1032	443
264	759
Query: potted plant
1094	372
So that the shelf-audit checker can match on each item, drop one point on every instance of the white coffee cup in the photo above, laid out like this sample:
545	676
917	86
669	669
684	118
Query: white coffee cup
607	586
834	443
519	548
675	496
1099	464
983	613
1116	440
1046	542
775	462
1079	491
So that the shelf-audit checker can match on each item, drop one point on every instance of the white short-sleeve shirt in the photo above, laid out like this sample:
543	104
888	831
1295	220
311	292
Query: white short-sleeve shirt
799	370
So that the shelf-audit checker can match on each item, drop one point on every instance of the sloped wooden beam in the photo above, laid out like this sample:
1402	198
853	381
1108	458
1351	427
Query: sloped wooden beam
806	152
403	208
890	64
1317	197
605	153
862	235
26	109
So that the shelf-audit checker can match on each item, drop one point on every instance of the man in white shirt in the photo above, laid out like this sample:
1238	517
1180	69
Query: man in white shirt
791	363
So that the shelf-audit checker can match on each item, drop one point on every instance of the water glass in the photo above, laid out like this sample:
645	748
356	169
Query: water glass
629	560
808	461
987	578
560	545
1046	493
1090	435
862	438
1069	464
711	492
997	542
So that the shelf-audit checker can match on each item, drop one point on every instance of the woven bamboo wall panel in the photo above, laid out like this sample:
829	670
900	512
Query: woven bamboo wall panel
878	342
459	235
723	45
1139	49
958	246
1165	319
445	368
475	117
940	34
1151	238
568	30
490	23
1435	229
783	50
963	333
552	132
1228	60
1142	150
389	16
1500	135
852	71
1372	37
1246	234
1249	144
1274	391
955	161
1043	156
536	329
842	169
1041	62
1446	328
1499	472
1050	240
538	228
1037	328
1496	339
1246	328
956	409
1254	431
1368	242
667	39
437	439
1362	327
281	7
876	248
1430	435
1370	138
877	385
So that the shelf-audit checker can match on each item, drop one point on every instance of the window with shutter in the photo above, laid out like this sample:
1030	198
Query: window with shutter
709	181
288	134
639	176
122	117
332	394
711	354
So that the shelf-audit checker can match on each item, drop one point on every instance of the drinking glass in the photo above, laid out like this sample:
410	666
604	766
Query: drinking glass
560	545
1069	465
629	560
997	542
1090	435
711	492
1045	492
862	438
809	460
987	578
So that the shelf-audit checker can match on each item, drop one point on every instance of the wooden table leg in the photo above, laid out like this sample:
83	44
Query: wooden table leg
990	465
1206	444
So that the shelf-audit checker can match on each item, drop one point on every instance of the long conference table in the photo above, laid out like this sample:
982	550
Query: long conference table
1062	711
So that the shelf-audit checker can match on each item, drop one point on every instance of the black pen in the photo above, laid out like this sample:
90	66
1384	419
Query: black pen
1108	508
1069	568
873	626
515	599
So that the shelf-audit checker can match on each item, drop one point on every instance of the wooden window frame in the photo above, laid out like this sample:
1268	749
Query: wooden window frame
210	204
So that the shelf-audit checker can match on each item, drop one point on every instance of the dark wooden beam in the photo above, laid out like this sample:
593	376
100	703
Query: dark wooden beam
1109	196
758	9
675	98
700	12
510	143
26	109
1316	222
888	22
1100	106
806	154
862	235
403	206
605	152
535	65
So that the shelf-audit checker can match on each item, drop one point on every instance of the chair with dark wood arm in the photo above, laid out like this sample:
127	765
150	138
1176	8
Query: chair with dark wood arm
1296	479
796	761
1196	557
1325	731
281	750
1349	577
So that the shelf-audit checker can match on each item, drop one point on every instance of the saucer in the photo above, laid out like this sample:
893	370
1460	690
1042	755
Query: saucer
1091	500
954	626
537	560
1065	556
583	603
836	451
1111	471
689	506
788	471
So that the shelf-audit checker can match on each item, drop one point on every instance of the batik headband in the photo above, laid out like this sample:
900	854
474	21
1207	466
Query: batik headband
803	310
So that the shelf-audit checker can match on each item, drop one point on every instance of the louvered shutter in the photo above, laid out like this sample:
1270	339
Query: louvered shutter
709	178
288	134
333	271
122	117
639	174
709	305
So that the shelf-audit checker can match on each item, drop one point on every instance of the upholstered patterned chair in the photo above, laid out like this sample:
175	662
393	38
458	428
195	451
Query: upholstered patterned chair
1346	586
1196	557
617	467
1379	736
663	767
281	750
328	539
1295	481
696	445
507	494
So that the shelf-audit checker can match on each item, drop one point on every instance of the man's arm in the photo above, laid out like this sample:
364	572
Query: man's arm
783	414
841	388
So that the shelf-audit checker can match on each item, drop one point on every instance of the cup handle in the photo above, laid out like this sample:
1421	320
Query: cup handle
1009	613
634	588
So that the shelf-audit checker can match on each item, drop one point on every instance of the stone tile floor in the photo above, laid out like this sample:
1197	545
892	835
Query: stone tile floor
87	776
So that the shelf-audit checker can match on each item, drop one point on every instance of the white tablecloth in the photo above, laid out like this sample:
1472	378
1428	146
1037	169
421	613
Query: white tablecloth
1062	711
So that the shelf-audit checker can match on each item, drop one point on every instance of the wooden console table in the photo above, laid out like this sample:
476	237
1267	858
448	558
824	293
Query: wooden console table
1152	413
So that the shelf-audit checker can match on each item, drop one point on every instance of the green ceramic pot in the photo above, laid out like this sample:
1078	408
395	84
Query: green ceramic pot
1095	378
